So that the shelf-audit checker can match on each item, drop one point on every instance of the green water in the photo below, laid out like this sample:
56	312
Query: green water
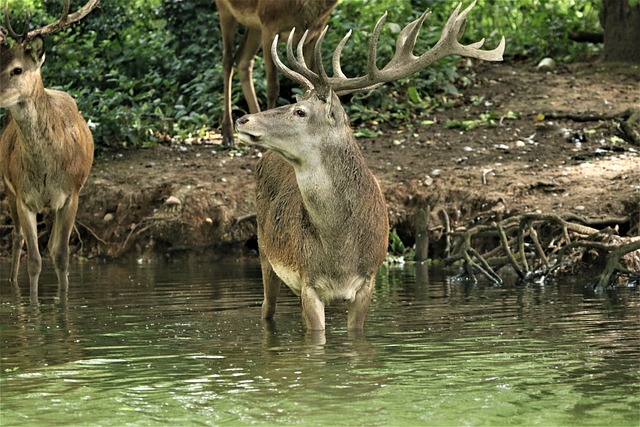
179	344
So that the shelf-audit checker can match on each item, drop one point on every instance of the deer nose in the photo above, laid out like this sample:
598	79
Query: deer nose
242	120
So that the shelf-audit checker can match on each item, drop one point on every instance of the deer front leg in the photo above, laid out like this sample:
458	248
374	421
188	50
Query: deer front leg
17	239
360	305
63	222
271	283
312	308
29	226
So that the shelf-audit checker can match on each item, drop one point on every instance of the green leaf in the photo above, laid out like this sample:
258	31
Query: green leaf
414	97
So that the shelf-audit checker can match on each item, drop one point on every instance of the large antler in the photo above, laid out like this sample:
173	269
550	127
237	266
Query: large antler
64	20
403	63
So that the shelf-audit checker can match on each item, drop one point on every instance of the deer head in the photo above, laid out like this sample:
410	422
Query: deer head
21	63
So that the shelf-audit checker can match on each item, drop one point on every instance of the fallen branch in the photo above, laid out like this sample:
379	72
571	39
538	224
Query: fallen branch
586	117
628	126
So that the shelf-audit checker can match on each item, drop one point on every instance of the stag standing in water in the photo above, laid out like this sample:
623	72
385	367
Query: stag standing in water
46	150
322	219
263	19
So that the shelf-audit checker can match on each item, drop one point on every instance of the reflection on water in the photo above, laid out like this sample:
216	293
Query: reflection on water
184	344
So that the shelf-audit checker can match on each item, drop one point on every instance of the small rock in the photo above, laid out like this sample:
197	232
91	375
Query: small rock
547	64
579	208
173	200
108	217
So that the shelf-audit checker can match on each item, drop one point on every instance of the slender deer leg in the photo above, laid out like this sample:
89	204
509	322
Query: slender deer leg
360	305
312	308
59	241
273	84
29	227
18	240
244	61
271	283
228	26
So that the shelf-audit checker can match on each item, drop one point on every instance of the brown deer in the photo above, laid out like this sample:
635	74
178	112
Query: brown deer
322	219
263	19
46	150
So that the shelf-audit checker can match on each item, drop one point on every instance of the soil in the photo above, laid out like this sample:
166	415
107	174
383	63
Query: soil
563	152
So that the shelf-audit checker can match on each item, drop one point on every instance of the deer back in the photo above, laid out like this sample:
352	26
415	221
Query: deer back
279	15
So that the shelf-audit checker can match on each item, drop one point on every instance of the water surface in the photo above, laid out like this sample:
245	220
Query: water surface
183	344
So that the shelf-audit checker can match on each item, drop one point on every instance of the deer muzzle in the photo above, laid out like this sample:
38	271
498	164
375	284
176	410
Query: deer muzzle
245	135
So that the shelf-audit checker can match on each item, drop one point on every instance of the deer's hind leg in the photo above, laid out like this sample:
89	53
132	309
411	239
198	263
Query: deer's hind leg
63	222
271	283
312	308
360	305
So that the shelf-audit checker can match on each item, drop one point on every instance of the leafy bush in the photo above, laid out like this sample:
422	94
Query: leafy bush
146	70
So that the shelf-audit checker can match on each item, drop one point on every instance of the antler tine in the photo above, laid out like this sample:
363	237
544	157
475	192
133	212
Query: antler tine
337	69
409	34
373	47
299	62
65	19
288	72
317	51
7	22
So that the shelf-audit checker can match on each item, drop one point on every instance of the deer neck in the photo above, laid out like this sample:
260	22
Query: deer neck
35	118
333	186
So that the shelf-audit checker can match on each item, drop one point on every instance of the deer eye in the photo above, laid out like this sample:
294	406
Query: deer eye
16	71
300	112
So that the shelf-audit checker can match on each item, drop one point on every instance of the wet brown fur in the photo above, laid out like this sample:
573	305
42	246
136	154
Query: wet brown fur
46	153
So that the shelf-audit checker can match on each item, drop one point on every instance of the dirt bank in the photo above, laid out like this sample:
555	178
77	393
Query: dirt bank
556	146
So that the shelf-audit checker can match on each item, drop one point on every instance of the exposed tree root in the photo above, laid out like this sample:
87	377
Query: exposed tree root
536	246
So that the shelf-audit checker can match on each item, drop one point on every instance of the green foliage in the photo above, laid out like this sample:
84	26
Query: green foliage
145	70
397	249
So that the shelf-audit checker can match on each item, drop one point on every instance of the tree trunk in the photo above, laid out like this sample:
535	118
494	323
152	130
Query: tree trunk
621	23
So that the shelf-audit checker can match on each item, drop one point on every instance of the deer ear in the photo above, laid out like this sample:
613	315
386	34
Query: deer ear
35	49
335	112
329	108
